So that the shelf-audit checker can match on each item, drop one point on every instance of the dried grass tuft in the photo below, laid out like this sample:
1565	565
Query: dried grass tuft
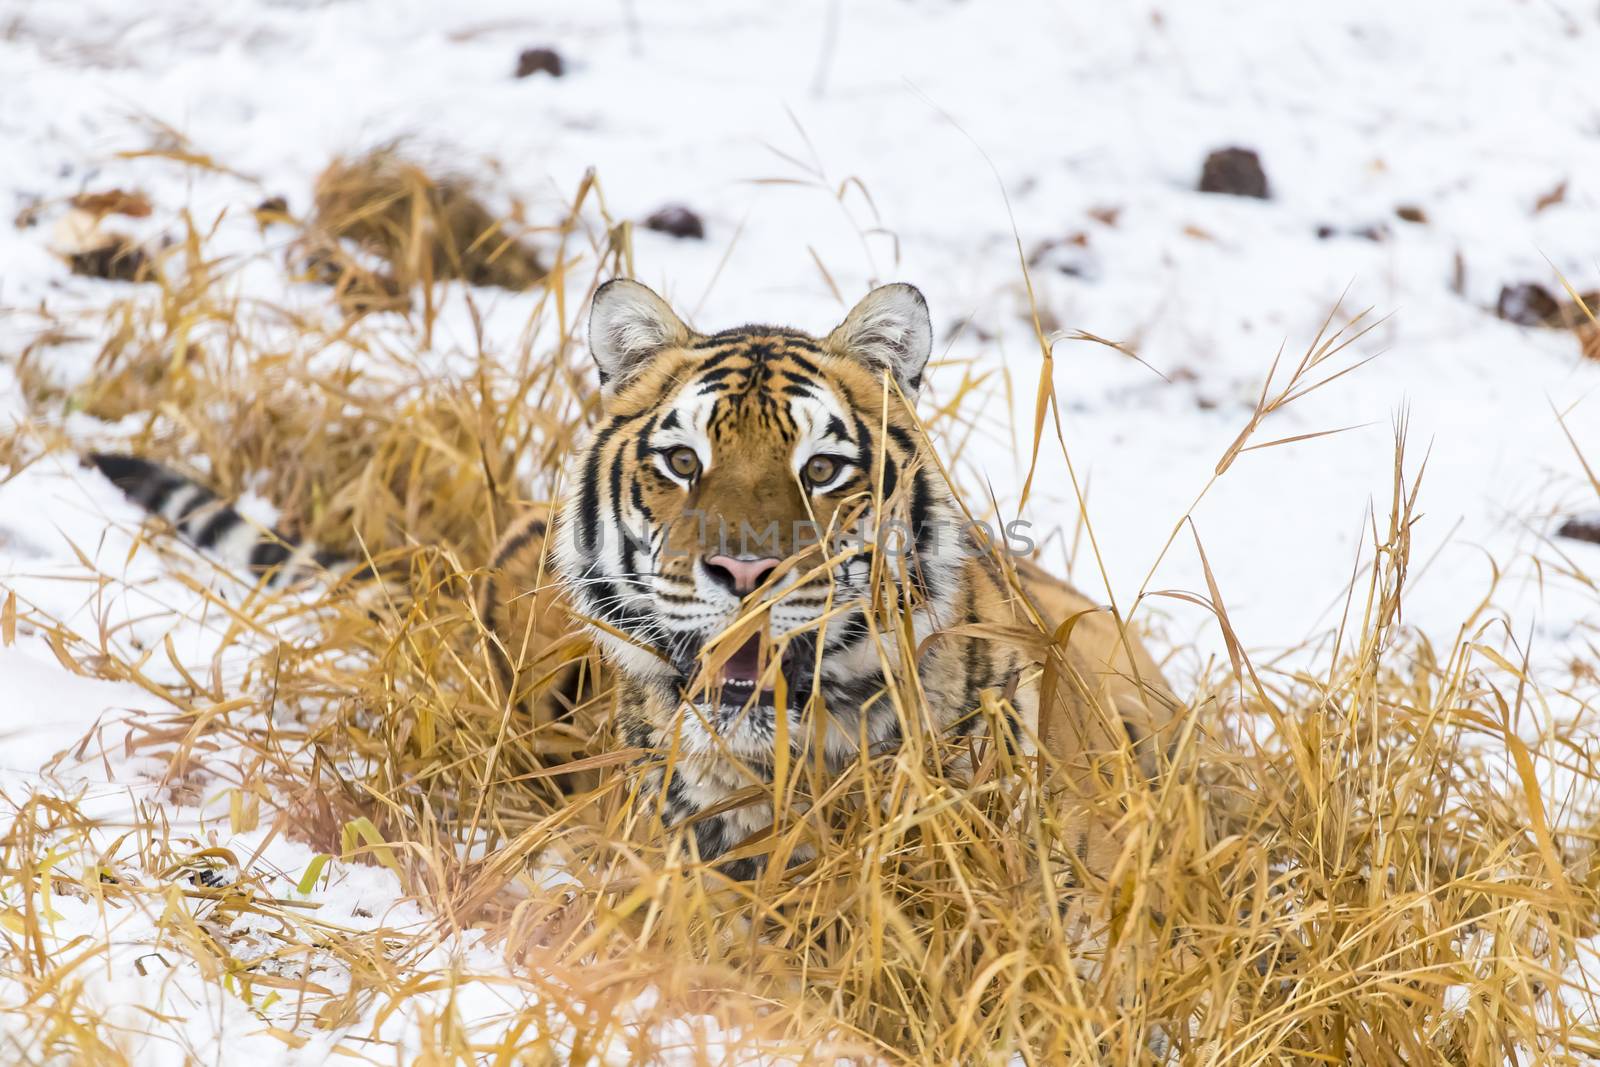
423	227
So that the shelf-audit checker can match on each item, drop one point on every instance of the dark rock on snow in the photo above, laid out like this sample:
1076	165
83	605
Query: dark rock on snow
540	61
1582	529
677	220
1236	171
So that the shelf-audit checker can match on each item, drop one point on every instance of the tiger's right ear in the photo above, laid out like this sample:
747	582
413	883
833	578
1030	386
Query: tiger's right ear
628	326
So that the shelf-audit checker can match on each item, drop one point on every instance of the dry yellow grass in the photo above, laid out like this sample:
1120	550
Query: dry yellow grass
1333	871
422	226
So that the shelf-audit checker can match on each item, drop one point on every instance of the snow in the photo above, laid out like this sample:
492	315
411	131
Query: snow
908	138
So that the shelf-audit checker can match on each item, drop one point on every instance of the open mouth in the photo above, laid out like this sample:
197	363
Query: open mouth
741	674
738	679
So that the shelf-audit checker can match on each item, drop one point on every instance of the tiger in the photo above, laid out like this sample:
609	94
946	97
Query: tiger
723	538
699	544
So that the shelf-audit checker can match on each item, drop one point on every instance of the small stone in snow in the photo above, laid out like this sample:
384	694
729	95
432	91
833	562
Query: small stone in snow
676	220
1410	213
1235	171
1375	232
540	61
1583	529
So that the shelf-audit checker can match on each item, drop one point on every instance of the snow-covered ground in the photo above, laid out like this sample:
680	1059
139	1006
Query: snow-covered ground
921	141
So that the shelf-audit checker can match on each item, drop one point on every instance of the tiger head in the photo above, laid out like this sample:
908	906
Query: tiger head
720	525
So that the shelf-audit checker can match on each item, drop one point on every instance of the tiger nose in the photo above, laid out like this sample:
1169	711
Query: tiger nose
738	575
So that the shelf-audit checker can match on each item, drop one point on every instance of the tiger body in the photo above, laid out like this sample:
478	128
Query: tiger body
747	454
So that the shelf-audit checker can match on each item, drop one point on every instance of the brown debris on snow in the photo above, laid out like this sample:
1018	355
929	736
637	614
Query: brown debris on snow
1531	304
135	205
1526	304
1555	196
95	252
118	258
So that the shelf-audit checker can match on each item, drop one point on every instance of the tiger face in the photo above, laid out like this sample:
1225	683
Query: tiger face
722	522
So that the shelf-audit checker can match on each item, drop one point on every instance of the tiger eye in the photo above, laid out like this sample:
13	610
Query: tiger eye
684	462
820	470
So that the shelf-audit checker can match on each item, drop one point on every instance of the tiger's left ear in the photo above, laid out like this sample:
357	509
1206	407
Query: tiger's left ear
889	330
628	326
